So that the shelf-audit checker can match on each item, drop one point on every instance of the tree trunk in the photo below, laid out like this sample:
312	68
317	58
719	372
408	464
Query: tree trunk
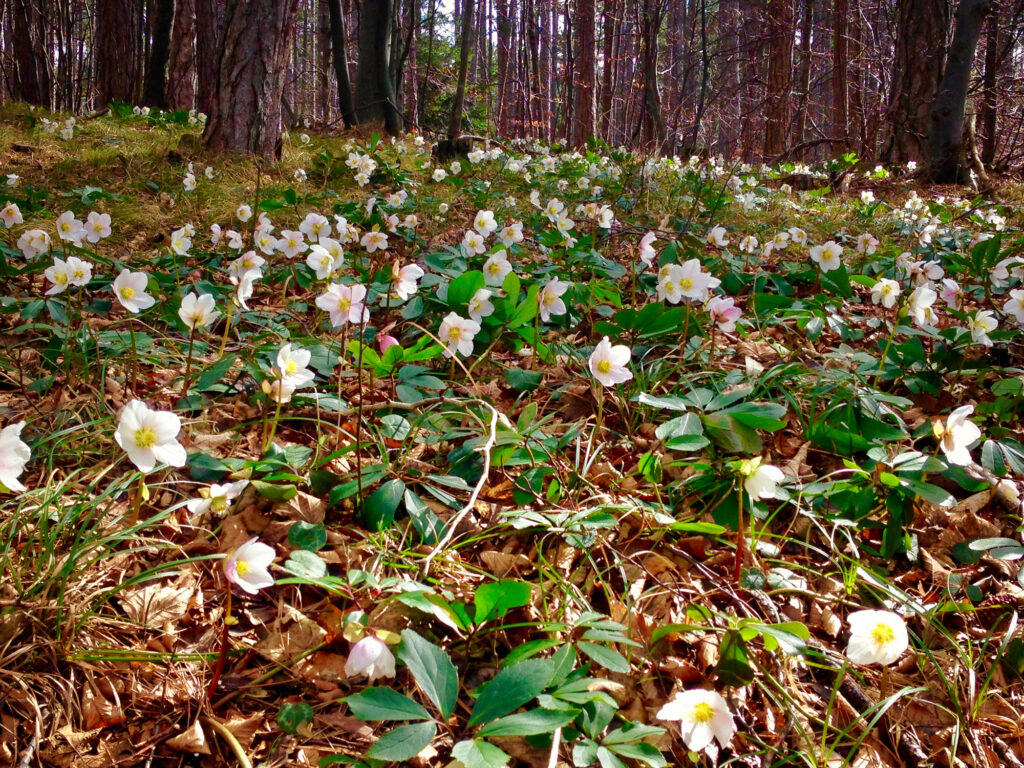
246	116
946	137
118	60
455	120
32	79
654	131
181	80
804	73
154	91
921	30
989	113
780	74
208	26
585	66
841	71
339	48
375	91
501	118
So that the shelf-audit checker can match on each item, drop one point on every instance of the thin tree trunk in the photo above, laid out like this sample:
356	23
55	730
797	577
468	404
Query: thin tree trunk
208	26
585	66
154	91
990	94
780	73
455	121
181	80
118	60
339	47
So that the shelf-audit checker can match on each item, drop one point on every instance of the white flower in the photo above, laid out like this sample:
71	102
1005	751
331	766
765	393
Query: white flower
344	303
209	172
885	292
180	242
724	312
374	241
780	242
11	215
759	479
249	261
217	499
439	174
371	657
496	268
827	256
951	293
291	243
321	261
647	252
797	235
957	434
867	196
693	282
189	183
980	324
315	226
1015	306
876	637
717	237
480	305
150	437
511	234
703	716
867	243
130	290
406	280
197	312
14	455
473	242
457	334
551	302
668	283
608	363
247	566
243	213
97	226
484	223
60	275
34	242
920	305
291	366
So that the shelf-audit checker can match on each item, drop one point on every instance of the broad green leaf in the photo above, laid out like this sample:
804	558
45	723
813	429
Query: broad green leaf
432	669
306	564
606	657
403	743
494	600
510	689
310	536
645	753
479	754
630	733
733	663
382	703
379	510
275	493
464	287
528	723
607	759
294	715
427	524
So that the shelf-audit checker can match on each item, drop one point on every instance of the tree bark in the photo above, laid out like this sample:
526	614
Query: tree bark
585	67
654	130
208	26
501	115
946	137
922	26
339	48
181	79
32	78
246	116
990	95
780	74
154	92
841	71
119	58
455	121
375	91
804	73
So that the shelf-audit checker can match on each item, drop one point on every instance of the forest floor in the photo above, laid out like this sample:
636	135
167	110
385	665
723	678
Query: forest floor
543	531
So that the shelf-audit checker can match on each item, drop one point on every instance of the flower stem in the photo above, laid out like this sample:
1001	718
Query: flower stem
741	544
218	668
273	424
134	363
227	330
140	494
188	362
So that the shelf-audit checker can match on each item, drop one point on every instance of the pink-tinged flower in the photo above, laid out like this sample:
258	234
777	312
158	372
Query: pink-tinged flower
876	637
951	293
406	280
647	252
130	290
457	334
371	657
724	312
608	363
10	215
981	324
867	243
247	566
1015	306
34	242
14	455
69	228
385	341
97	226
344	303
957	434
827	256
551	302
703	717
150	437
374	240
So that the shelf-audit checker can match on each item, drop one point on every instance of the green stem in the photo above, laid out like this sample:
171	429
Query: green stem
885	354
273	424
188	362
741	544
227	330
140	493
134	363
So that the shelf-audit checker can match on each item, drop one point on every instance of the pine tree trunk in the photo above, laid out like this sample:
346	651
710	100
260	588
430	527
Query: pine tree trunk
32	72
780	74
208	26
990	95
804	73
946	137
154	92
585	66
501	121
246	116
181	79
118	60
339	55
375	91
841	71
455	121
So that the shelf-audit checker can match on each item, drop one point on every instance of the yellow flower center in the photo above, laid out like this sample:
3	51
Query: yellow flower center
290	367
218	504
65	226
127	292
344	303
455	333
882	634
60	278
145	437
703	712
686	283
604	366
78	274
241	567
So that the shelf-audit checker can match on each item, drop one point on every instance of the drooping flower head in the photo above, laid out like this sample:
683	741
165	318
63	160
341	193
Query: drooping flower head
957	434
247	566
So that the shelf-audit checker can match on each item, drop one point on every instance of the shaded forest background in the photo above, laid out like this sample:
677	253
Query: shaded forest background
759	80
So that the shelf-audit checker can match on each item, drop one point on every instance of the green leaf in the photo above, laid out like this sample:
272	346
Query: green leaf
494	600
382	703
403	743
607	759
432	670
306	564
510	689
311	536
379	510
645	753
275	493
523	380
215	373
729	434
293	715
528	723
427	524
630	733
606	657
464	287
479	754
733	663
